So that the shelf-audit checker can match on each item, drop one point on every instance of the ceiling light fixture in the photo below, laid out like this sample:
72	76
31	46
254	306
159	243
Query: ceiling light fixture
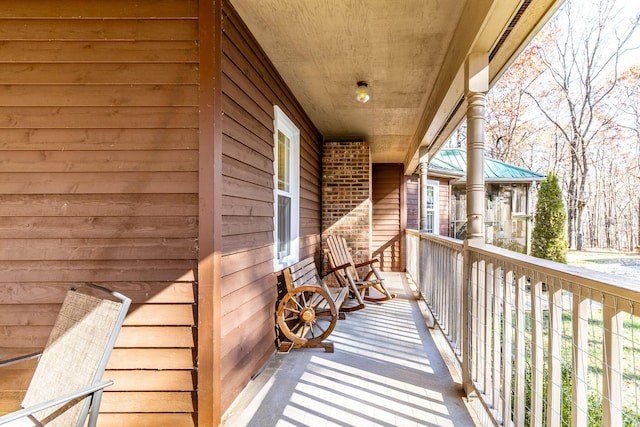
362	94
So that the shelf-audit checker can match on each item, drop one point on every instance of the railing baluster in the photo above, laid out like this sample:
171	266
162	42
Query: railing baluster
612	364
459	297
579	349
519	360
484	333
537	353
442	287
507	347
475	324
497	345
467	324
554	358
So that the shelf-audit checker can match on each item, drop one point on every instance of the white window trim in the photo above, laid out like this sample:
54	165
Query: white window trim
285	125
436	206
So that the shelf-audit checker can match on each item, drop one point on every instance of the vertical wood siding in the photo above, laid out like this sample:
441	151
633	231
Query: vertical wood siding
251	87
386	232
98	182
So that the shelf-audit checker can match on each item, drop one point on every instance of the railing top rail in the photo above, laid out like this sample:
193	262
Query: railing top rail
603	282
443	240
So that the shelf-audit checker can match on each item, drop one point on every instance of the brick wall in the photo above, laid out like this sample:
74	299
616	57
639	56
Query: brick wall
346	195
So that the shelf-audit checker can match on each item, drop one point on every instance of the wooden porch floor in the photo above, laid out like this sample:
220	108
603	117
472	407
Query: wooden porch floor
386	371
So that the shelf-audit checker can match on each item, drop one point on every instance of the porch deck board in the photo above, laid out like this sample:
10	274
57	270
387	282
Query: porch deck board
386	371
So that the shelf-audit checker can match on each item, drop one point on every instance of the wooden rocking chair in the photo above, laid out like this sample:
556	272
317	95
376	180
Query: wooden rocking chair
346	270
67	384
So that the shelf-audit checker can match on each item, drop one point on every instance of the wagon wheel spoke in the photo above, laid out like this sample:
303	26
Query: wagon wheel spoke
297	303
321	323
293	315
301	331
303	297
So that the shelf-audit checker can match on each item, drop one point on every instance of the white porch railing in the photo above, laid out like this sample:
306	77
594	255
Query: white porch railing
538	343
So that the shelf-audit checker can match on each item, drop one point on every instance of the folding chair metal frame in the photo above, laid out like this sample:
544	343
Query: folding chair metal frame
91	394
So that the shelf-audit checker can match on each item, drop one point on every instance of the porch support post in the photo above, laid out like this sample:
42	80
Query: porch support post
424	167
476	85
209	286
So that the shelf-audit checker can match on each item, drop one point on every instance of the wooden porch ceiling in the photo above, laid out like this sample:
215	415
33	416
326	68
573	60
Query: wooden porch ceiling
411	52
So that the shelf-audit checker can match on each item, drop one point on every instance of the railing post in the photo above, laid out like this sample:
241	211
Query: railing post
424	170
470	325
476	84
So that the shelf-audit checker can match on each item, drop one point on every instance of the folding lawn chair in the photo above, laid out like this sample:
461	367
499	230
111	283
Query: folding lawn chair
67	384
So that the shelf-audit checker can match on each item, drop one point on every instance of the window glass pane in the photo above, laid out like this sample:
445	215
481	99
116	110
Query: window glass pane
459	206
284	155
519	200
284	226
429	201
429	224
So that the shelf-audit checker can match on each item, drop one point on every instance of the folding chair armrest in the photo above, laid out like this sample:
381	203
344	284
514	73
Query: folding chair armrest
20	359
98	387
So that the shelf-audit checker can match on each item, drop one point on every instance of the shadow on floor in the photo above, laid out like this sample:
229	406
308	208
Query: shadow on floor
386	371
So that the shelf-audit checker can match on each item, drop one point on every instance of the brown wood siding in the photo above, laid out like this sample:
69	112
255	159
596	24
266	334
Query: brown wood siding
412	194
386	236
444	207
251	87
99	182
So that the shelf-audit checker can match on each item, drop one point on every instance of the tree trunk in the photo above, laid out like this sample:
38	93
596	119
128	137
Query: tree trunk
572	202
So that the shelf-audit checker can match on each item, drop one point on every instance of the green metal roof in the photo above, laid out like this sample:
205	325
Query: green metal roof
453	161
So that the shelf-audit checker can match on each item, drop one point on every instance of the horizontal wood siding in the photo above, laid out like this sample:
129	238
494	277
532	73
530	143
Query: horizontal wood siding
251	88
386	237
99	182
412	194
444	207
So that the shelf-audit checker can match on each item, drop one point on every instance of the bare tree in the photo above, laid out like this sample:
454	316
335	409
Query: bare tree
512	130
581	71
628	91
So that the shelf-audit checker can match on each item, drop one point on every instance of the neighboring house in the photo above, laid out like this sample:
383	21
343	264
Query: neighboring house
509	199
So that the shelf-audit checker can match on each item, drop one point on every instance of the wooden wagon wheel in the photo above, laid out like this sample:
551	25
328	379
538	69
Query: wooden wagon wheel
307	315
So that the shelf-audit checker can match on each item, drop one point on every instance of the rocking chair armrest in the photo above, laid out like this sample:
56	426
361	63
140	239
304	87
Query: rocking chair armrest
22	413
365	263
20	359
340	267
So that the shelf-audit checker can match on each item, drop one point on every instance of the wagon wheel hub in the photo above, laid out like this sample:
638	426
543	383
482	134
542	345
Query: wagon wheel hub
307	314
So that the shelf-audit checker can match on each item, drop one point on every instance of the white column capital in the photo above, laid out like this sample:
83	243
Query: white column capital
476	73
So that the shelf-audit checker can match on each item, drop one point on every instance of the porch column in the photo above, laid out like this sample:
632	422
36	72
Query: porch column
424	167
476	85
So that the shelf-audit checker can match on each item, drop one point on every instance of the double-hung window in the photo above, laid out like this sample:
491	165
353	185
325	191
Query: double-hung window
431	207
286	190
